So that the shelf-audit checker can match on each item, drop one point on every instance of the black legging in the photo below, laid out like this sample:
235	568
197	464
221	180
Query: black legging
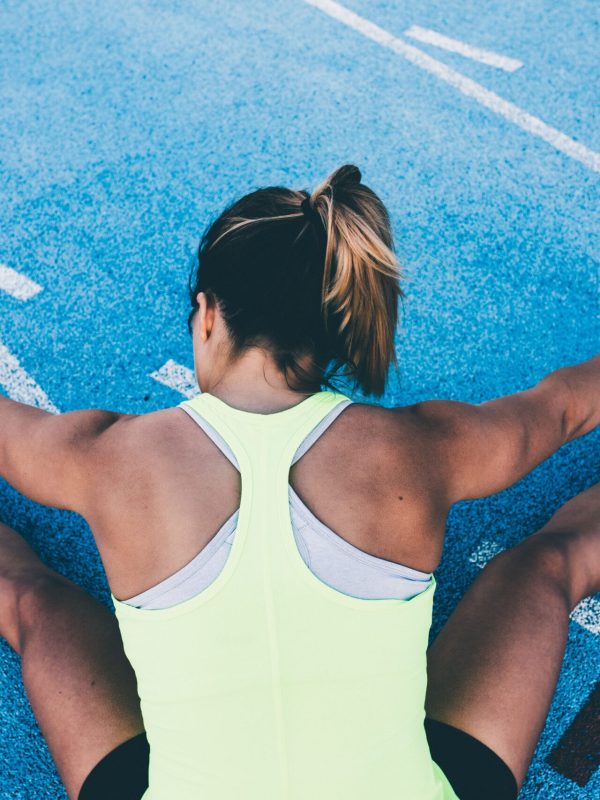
122	774
473	770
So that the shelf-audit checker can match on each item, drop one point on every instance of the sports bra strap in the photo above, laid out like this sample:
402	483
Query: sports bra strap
212	433
319	429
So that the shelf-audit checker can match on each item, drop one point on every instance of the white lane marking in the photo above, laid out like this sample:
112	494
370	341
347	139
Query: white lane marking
16	284
456	46
177	377
471	88
587	614
19	385
485	550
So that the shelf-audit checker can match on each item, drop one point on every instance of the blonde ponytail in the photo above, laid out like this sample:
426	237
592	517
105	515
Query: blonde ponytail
361	278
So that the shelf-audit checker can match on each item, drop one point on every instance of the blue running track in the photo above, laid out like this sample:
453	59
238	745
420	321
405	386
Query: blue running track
125	126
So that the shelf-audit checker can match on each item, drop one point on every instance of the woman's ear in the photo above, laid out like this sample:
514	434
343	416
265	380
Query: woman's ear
206	315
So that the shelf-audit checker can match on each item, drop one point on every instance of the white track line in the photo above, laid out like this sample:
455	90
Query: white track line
455	46
16	284
19	385
482	554
177	377
471	88
587	614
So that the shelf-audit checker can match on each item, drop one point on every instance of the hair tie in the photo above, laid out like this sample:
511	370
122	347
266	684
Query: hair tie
309	212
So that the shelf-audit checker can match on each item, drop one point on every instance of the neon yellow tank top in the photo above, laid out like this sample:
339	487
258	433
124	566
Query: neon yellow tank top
270	684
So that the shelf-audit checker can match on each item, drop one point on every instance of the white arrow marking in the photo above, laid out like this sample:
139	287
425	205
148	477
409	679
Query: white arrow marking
16	284
19	385
177	377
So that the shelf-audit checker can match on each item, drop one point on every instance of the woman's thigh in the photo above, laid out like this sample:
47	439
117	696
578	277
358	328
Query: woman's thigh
81	687
493	668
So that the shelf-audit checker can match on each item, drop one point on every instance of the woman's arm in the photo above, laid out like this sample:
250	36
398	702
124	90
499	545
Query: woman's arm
51	458
479	450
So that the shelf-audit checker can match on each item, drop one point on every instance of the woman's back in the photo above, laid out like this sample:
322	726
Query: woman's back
334	560
367	477
269	682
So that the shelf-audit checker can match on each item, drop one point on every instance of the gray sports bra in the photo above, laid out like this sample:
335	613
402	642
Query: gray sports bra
331	558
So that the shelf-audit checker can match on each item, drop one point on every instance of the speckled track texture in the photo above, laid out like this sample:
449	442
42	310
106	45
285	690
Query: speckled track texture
124	127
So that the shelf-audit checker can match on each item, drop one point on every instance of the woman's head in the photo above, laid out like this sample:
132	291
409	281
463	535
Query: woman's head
310	279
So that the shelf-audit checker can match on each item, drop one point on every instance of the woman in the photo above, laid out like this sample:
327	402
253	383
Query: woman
285	655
